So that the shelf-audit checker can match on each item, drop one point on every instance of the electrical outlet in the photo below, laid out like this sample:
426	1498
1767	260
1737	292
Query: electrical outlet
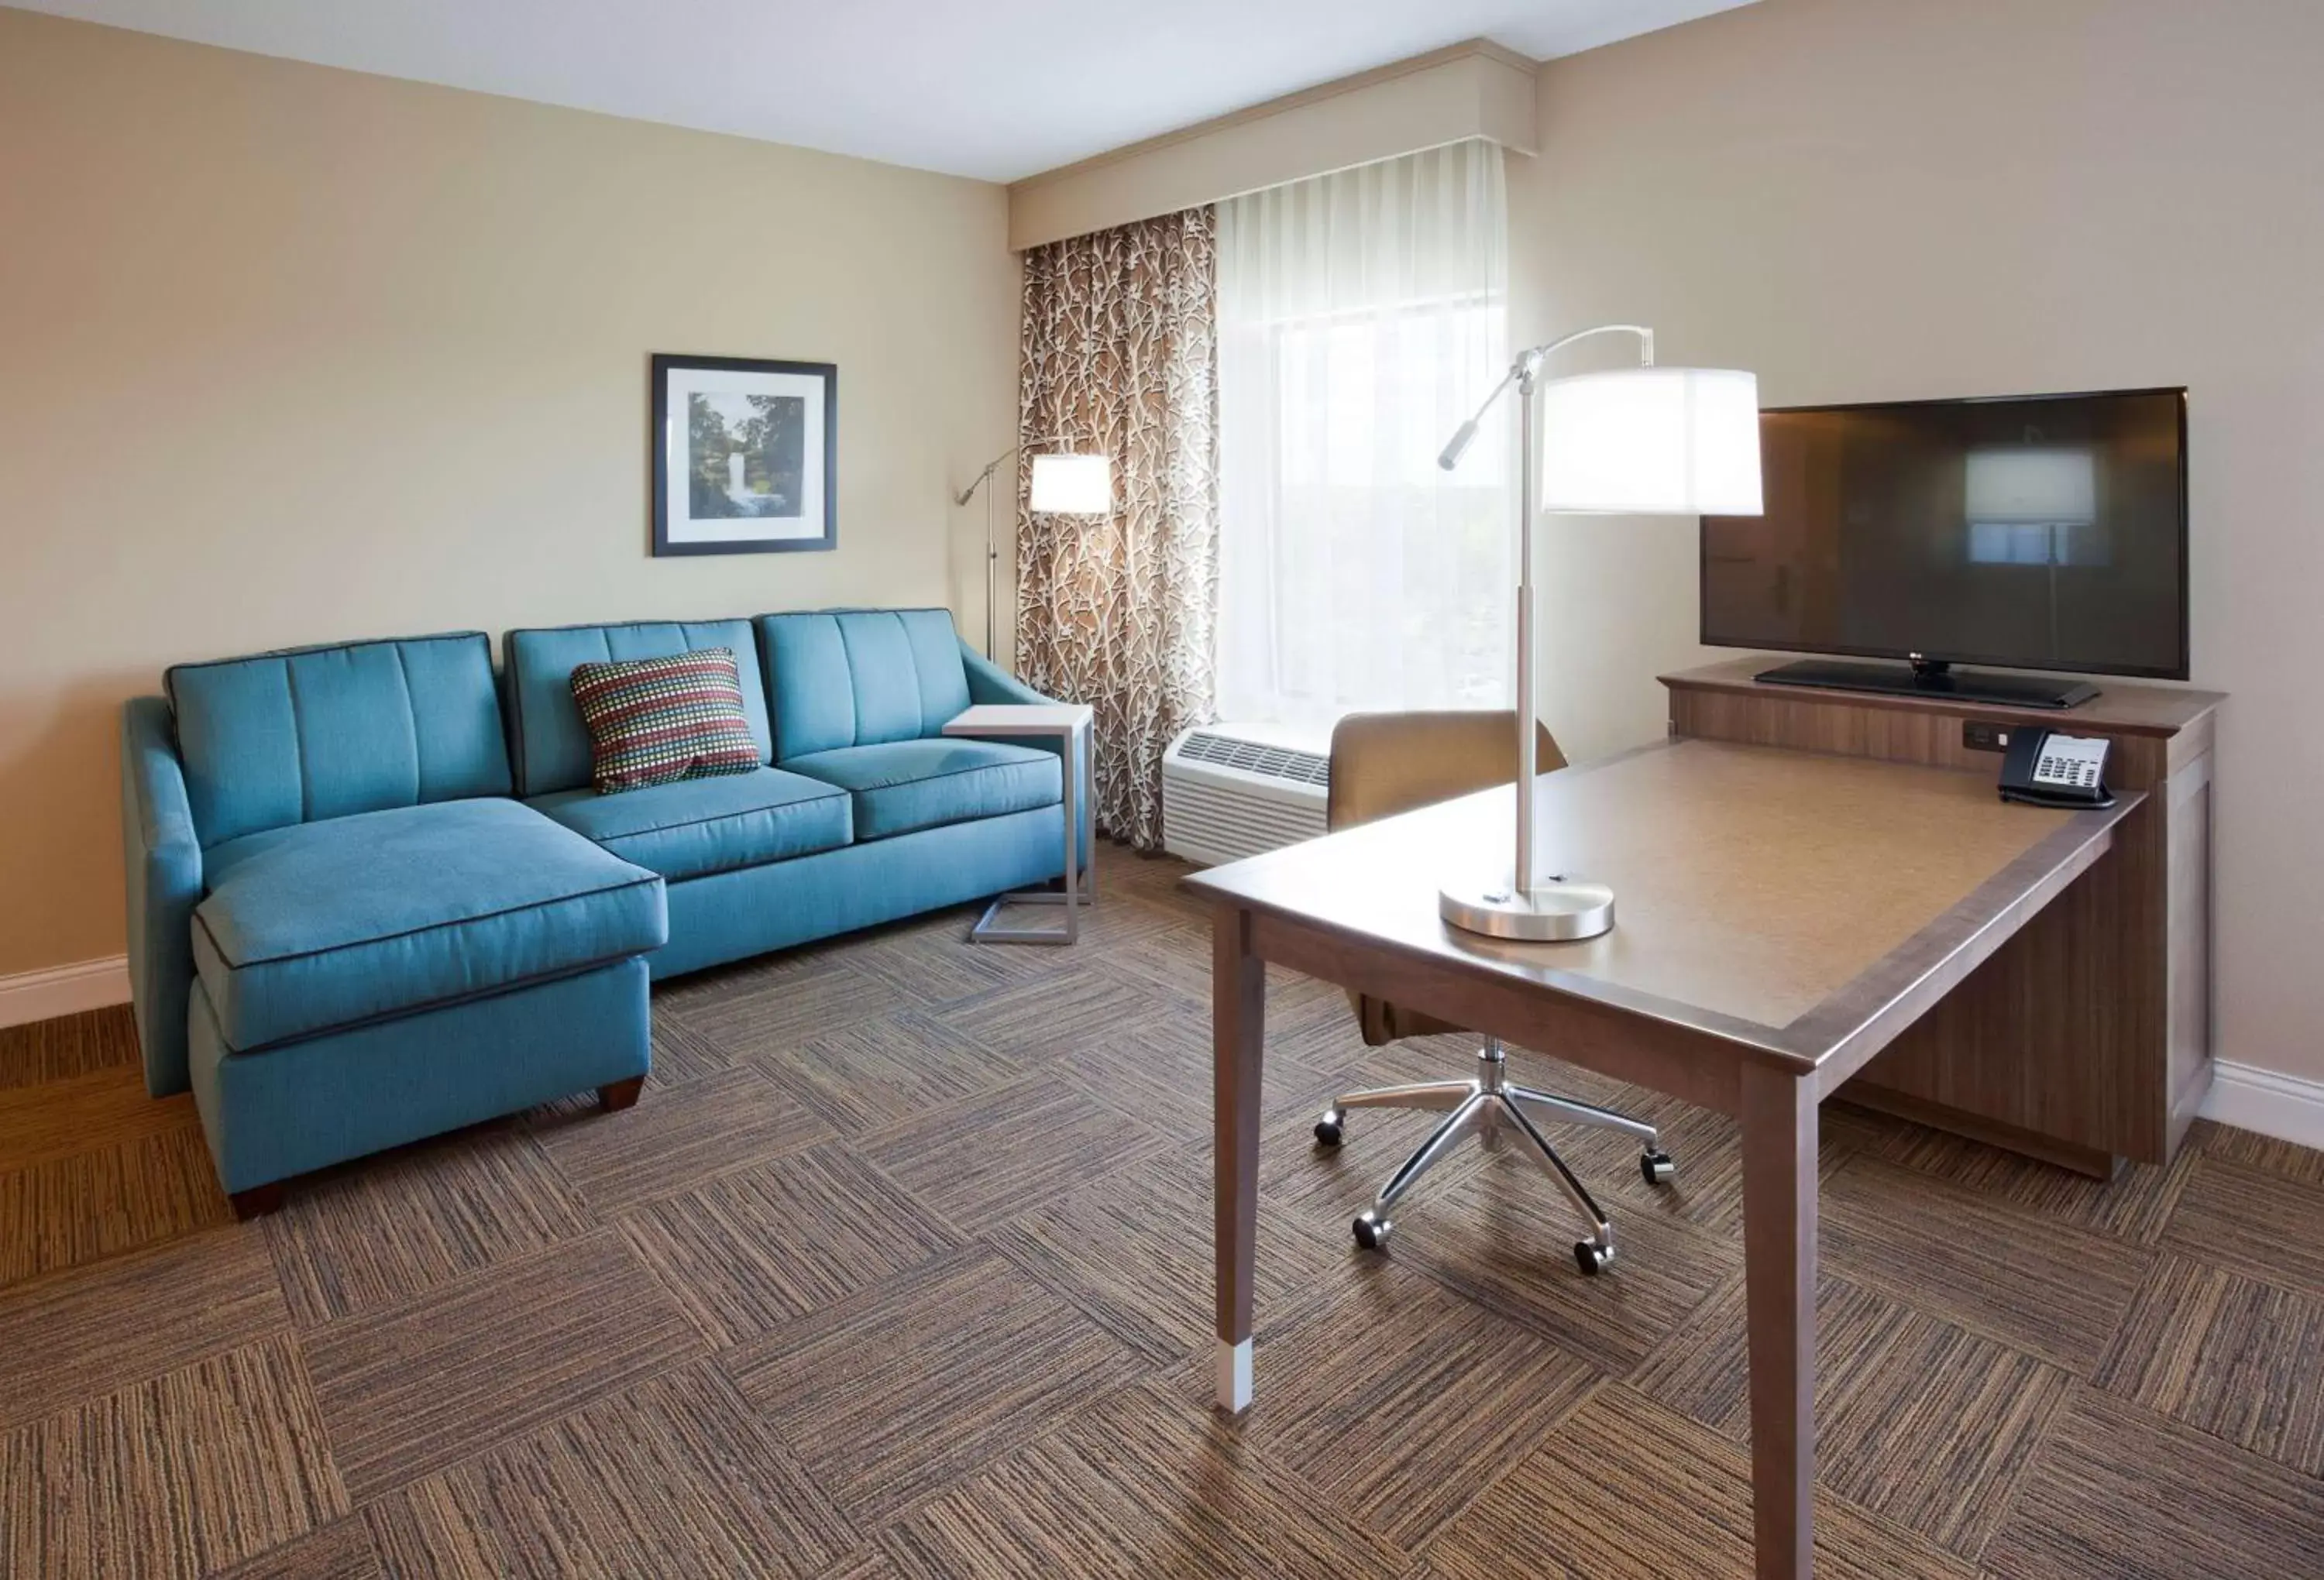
1978	735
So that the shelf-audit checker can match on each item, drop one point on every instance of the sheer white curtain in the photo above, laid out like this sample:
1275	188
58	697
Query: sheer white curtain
1361	318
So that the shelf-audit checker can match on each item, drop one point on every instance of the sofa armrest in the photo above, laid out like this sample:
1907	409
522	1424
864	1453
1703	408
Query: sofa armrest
989	683
162	862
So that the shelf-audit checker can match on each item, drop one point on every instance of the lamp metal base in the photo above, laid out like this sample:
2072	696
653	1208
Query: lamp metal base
1557	911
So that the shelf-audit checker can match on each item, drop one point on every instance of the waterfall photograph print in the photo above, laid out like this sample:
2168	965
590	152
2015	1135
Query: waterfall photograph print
744	454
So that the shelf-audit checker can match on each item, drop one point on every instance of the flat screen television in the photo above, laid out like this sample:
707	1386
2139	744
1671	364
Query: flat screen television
2044	532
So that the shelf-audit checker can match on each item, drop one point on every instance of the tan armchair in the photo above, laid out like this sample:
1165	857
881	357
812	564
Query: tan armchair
1383	764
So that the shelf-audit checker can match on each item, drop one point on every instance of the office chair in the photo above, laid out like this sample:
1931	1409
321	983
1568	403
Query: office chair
1387	763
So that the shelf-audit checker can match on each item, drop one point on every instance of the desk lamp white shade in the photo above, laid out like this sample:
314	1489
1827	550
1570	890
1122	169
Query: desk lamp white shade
1651	442
1073	485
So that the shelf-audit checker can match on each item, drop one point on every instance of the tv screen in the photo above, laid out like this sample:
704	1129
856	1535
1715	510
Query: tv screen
2037	532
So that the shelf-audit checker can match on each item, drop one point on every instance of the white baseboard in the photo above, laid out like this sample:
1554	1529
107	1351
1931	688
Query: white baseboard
55	990
2289	1107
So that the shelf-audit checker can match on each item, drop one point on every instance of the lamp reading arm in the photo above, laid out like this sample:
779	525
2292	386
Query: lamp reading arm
1523	367
985	476
1466	434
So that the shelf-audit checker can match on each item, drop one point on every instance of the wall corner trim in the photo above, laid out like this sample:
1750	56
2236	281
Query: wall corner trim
2289	1107
54	990
1472	90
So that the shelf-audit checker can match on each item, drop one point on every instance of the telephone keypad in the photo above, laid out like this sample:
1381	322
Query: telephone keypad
2066	771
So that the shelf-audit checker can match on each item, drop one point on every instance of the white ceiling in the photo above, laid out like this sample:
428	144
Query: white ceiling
992	89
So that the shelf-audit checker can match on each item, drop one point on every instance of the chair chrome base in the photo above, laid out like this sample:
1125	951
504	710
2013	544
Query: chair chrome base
1479	1108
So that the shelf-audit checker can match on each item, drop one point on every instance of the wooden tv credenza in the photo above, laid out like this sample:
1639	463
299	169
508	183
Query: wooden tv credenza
2086	1039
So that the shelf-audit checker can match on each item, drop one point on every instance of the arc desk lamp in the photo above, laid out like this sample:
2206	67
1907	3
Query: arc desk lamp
1643	441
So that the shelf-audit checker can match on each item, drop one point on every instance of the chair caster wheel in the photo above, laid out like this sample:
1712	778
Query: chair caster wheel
1592	1257
1372	1230
1328	1129
1657	1167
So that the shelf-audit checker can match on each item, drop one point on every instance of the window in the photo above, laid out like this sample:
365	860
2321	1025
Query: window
1361	318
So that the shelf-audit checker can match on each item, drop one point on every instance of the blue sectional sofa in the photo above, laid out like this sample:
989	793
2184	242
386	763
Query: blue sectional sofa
373	897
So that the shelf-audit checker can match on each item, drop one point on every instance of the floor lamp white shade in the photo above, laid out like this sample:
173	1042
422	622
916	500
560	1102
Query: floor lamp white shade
1073	485
1651	442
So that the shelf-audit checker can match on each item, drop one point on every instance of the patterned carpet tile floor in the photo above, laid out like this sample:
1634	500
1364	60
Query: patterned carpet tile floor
901	1268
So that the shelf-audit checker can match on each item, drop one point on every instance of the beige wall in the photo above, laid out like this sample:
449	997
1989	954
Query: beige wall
288	354
1866	199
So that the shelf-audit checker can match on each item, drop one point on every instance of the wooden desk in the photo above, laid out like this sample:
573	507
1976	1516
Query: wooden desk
1781	918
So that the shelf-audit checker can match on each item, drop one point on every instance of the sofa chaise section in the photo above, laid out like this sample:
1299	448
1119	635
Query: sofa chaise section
326	925
344	936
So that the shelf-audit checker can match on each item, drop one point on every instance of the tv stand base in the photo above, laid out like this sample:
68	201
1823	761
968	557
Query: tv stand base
1924	679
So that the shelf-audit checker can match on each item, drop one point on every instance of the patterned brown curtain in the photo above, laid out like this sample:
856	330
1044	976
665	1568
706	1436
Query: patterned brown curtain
1120	612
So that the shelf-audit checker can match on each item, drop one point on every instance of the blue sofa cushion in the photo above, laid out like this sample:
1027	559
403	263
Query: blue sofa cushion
692	827
326	925
900	786
861	677
295	737
548	743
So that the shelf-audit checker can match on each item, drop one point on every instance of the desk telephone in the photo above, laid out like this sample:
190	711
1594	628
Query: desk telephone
2045	768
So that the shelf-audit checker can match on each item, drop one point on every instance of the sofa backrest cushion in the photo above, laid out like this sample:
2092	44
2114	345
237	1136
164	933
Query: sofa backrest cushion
549	746
859	677
277	738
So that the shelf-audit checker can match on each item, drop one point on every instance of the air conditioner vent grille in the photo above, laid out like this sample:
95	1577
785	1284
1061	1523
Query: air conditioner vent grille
1273	762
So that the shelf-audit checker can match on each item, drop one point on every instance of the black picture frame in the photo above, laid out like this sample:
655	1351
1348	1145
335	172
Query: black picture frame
815	526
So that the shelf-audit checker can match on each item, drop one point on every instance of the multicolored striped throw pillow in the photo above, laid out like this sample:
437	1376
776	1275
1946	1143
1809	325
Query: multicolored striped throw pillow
652	720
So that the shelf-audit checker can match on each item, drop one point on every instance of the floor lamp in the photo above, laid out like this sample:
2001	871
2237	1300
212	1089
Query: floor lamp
1643	441
1063	484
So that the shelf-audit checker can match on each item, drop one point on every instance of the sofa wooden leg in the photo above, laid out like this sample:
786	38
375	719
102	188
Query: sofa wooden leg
620	1095
259	1199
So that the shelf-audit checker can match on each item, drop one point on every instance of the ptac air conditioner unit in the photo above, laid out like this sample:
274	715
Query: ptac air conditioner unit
1231	791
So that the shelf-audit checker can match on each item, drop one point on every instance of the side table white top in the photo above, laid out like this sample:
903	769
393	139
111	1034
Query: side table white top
1019	718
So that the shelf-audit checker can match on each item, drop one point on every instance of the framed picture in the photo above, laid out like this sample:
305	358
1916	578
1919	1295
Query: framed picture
745	455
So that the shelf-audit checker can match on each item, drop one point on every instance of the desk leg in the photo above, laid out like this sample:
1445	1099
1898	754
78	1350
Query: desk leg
1237	1035
1778	1115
